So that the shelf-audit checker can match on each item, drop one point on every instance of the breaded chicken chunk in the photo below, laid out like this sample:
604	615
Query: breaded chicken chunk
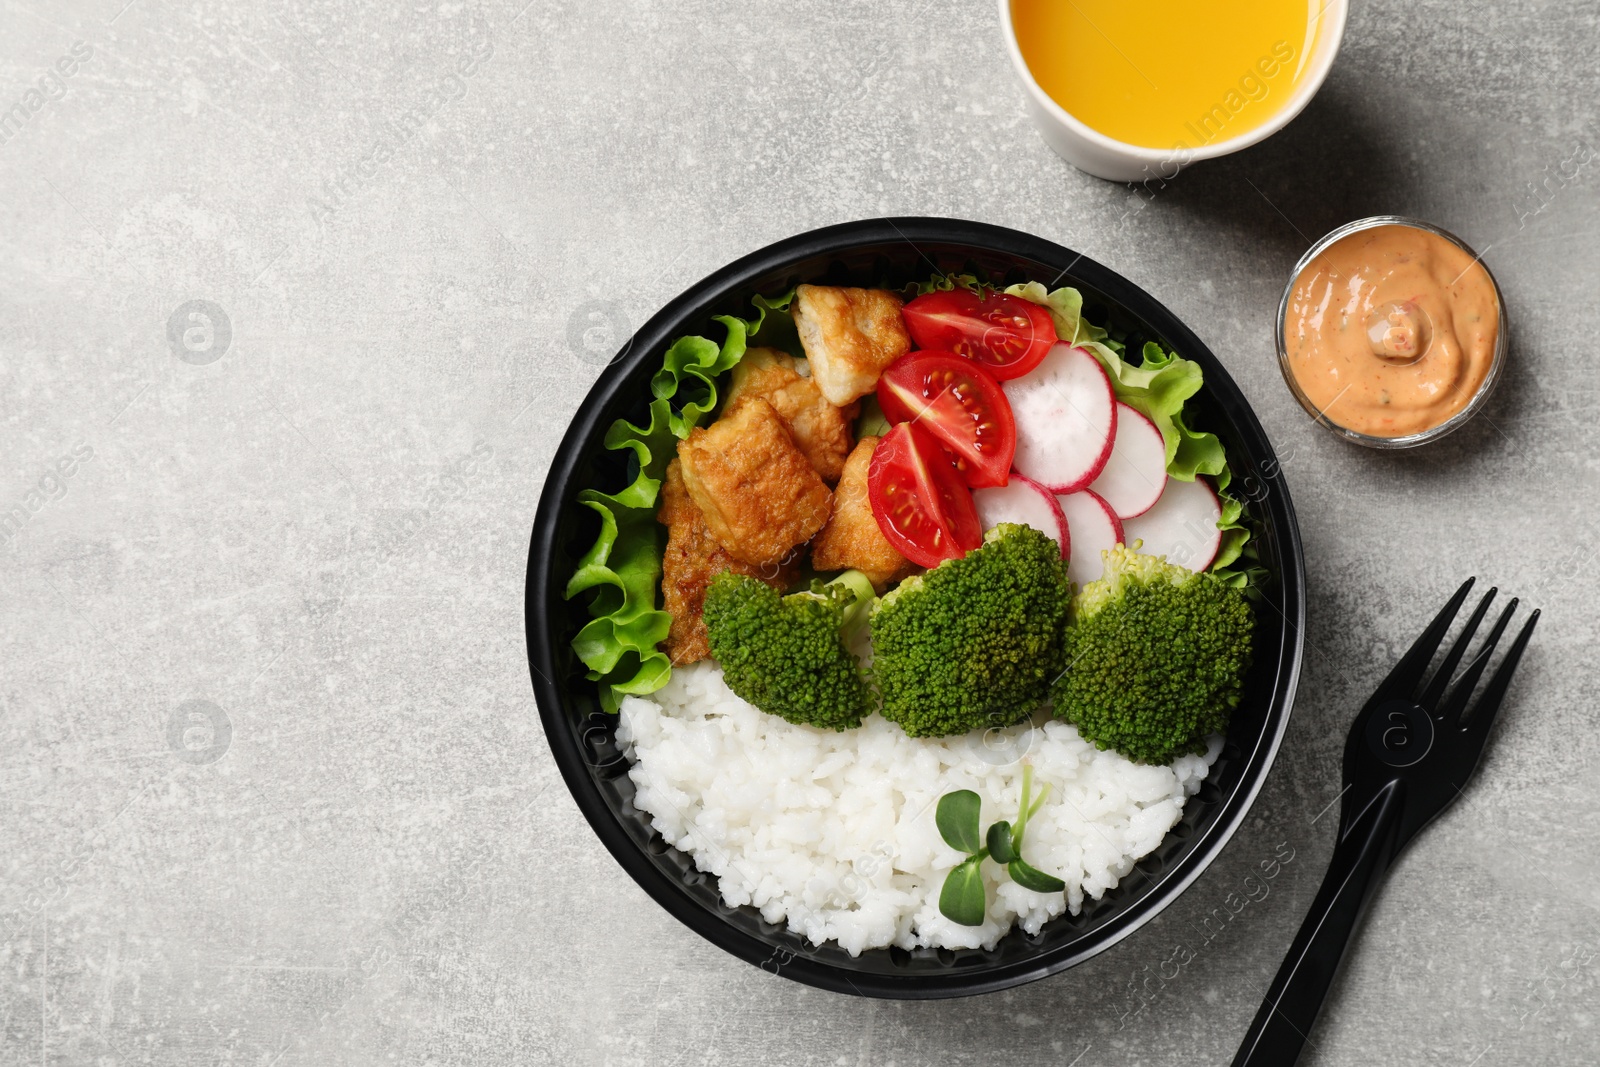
758	493
852	539
824	432
692	559
850	336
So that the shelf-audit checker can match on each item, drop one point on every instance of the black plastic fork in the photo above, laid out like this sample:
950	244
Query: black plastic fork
1409	755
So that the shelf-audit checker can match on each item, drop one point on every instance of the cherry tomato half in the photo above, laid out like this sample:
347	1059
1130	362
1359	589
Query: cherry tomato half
1007	334
918	498
958	402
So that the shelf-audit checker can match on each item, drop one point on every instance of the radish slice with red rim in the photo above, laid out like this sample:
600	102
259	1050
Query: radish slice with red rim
1066	416
1182	526
1094	529
1136	471
1023	501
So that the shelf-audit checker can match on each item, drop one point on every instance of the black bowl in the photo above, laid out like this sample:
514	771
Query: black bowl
878	252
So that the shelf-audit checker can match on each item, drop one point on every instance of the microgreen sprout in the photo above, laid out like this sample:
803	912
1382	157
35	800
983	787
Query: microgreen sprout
963	900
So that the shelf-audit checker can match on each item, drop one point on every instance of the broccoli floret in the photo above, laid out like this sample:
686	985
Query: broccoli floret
1156	658
789	655
975	641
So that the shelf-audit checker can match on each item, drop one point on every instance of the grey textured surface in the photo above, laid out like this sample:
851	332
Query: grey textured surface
355	849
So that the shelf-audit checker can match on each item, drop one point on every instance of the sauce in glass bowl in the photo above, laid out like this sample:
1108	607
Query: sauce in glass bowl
1391	332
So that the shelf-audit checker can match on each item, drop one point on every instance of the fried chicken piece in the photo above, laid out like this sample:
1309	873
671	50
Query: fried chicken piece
850	336
852	540
758	493
825	433
692	559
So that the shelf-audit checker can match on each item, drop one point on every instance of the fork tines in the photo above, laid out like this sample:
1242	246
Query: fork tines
1405	682
1482	717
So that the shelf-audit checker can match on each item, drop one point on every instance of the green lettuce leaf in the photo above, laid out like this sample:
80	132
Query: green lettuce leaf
623	567
1065	306
1158	386
1066	310
944	283
1234	533
871	422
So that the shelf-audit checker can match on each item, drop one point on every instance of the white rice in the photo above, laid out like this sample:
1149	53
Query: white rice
833	832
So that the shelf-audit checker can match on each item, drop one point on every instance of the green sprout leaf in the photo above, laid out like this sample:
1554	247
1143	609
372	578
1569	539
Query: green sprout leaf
1038	801
1028	878
957	819
1000	843
962	900
1024	809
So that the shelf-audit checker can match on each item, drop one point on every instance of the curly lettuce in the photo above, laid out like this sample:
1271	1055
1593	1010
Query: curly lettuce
1158	386
623	566
944	283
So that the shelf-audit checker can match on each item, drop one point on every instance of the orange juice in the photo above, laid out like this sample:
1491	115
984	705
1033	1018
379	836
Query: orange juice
1176	74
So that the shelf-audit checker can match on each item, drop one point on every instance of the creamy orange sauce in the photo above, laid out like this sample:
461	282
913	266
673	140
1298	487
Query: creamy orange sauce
1391	331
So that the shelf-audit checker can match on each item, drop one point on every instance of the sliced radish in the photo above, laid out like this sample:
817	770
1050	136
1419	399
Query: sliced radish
1024	501
1136	471
1182	526
1094	529
1066	417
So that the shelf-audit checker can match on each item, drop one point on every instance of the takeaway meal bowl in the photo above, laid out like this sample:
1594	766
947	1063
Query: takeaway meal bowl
892	252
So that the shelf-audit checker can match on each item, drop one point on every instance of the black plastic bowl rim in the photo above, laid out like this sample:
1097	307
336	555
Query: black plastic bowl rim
579	734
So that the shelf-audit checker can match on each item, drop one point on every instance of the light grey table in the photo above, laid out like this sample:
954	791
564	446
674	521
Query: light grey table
274	789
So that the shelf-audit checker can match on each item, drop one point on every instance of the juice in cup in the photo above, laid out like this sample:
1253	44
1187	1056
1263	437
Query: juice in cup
1168	74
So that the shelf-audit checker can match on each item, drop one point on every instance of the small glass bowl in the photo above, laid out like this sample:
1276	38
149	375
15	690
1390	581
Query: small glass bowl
1421	437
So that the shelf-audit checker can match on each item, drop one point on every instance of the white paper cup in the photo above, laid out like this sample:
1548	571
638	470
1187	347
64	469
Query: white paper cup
1093	152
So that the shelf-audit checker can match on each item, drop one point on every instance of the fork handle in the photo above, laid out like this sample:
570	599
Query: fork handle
1362	855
